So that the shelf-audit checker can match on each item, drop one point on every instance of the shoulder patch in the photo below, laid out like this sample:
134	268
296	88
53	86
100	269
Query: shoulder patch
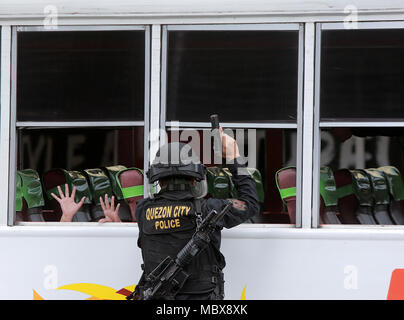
239	205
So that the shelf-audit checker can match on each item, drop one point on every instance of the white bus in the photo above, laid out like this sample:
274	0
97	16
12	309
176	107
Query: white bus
87	84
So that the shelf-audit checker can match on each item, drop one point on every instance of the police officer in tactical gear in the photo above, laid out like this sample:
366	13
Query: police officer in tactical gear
169	219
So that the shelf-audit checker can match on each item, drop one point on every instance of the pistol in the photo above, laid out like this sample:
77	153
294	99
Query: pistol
217	141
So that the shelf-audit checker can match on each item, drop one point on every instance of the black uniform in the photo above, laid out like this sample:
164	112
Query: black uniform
167	222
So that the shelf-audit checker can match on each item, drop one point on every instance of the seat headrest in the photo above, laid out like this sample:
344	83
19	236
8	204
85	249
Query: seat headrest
286	182
285	179
130	181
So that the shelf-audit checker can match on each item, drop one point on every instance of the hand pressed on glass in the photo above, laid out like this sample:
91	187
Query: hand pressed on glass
70	207
67	204
111	213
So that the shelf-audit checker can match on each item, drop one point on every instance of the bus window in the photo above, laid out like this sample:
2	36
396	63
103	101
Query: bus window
361	164
362	74
80	104
245	76
80	76
361	176
58	155
266	150
249	77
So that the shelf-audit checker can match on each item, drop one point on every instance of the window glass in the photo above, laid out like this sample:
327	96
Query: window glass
361	176
271	152
244	76
362	74
81	157
69	76
80	148
80	76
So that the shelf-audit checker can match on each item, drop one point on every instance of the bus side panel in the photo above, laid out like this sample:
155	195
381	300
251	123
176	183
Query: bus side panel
86	267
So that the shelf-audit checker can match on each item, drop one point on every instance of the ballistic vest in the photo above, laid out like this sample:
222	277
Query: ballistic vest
166	227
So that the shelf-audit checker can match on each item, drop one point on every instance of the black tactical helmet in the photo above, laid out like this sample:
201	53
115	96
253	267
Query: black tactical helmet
176	159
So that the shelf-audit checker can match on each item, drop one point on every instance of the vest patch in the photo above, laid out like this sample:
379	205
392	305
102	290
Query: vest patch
166	218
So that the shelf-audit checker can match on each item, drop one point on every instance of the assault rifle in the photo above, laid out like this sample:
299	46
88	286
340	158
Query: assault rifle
169	276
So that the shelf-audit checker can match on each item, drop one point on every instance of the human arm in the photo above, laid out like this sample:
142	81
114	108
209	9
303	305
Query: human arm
246	205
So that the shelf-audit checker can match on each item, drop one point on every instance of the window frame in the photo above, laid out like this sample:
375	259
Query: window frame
164	124
4	125
318	124
14	124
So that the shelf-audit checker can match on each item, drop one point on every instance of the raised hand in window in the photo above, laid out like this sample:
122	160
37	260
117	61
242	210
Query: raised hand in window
67	204
110	212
